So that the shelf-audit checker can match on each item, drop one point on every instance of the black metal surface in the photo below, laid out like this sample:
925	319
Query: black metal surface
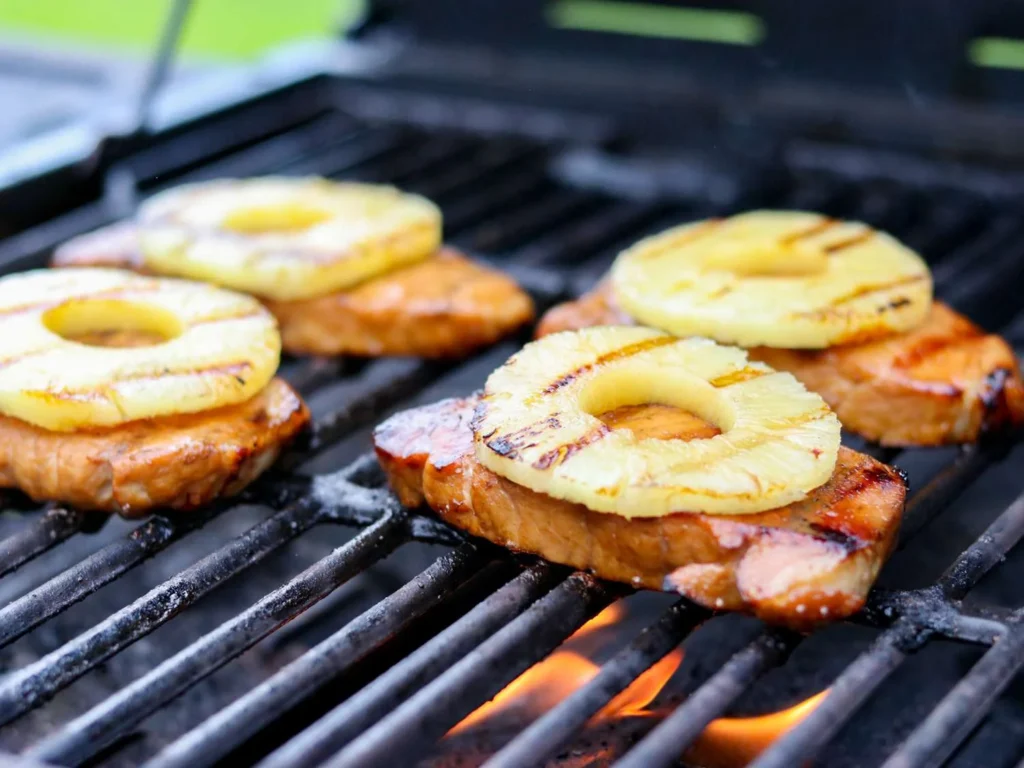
348	720
332	657
499	195
907	634
667	741
425	717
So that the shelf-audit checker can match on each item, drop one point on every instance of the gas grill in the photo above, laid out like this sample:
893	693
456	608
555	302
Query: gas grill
314	621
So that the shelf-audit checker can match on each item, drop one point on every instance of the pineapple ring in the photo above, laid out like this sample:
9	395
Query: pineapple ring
536	425
283	238
781	279
218	348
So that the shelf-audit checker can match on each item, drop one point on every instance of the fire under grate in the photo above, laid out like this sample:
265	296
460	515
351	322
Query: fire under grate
501	198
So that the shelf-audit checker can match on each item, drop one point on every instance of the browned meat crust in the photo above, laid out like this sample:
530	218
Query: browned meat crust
800	565
445	307
944	382
178	462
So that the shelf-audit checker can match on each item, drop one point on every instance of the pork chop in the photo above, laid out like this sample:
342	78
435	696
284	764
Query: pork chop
801	565
944	382
179	462
444	307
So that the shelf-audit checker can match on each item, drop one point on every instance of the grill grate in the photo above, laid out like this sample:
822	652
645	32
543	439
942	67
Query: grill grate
499	197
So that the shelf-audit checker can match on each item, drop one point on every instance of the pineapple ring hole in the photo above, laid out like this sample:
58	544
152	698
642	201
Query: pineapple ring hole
272	219
112	323
655	405
657	421
759	259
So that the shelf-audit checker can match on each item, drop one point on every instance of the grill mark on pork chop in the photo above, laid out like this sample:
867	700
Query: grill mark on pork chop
615	355
930	346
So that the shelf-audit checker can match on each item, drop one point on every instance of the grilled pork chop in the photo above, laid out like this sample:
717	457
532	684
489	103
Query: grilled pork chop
446	306
944	382
800	565
181	462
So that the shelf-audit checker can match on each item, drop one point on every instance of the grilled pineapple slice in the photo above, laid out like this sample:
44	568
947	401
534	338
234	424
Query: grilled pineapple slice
214	348
781	279
537	425
284	238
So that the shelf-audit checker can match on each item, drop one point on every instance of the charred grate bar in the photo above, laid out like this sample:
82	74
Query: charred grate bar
498	195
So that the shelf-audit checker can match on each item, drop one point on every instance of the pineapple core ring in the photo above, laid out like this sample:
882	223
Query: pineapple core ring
535	425
781	279
213	348
286	239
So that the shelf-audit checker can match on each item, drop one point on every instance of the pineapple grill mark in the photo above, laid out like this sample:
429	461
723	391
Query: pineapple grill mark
563	452
851	241
26	356
510	445
225	318
697	232
867	290
737	377
609	357
816	229
823	226
119	292
235	370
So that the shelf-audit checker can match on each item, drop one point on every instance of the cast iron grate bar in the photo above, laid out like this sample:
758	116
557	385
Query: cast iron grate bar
244	717
666	742
55	525
87	734
417	723
553	730
39	681
964	707
868	671
357	713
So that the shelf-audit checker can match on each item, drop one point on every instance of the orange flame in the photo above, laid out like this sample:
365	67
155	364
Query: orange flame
613	614
737	741
546	683
726	743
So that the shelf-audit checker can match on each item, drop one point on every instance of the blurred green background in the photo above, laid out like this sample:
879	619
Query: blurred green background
223	29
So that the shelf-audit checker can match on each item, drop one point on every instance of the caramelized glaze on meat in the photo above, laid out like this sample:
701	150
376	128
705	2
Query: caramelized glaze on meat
178	462
944	382
800	565
444	307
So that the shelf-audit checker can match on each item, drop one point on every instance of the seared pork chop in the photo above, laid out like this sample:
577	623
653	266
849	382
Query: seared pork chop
945	382
178	462
800	565
444	307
